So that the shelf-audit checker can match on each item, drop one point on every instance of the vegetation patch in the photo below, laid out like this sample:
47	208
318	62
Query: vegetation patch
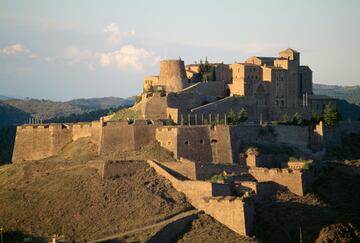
126	114
219	178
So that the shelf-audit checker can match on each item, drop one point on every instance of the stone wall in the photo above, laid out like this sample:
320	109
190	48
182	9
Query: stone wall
293	135
152	106
96	131
35	142
81	130
167	138
197	143
235	213
220	140
194	143
223	144
121	136
295	180
213	88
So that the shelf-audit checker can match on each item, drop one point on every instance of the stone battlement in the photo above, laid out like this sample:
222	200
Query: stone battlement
276	171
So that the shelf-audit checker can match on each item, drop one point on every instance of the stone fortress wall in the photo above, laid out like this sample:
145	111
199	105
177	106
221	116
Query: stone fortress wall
205	143
234	212
34	142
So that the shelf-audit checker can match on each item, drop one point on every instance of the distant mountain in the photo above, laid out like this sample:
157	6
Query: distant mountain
47	109
101	103
348	93
44	109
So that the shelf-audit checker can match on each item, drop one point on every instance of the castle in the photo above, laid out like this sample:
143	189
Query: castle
185	109
268	88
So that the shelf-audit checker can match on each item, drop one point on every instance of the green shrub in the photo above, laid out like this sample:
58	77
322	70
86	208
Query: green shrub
219	178
126	114
307	166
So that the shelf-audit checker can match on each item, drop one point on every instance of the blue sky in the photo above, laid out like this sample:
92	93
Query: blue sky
62	50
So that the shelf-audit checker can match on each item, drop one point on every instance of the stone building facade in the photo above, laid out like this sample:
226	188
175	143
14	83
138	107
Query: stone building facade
267	87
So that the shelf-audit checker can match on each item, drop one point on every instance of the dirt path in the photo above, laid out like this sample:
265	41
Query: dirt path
159	224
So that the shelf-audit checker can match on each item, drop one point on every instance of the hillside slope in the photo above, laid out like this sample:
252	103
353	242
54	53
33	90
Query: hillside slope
65	195
11	115
47	109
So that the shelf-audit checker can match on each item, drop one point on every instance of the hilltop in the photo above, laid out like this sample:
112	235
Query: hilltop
66	195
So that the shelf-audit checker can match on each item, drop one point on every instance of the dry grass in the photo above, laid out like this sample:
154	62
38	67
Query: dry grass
65	195
151	151
125	114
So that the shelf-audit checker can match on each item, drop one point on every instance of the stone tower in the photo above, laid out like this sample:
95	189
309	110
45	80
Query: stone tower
173	75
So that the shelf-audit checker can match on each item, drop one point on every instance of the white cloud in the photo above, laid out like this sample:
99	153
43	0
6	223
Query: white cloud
16	49
115	35
128	57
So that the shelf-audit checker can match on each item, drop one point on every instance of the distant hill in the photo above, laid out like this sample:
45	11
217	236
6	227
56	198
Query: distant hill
11	115
101	103
47	109
349	93
44	109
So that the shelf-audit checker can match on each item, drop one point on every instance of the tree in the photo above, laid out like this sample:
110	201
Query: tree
297	119
232	118
331	116
286	118
243	115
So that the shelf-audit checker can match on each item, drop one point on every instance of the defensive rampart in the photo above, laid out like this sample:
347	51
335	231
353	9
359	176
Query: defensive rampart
197	143
121	136
34	142
235	213
296	181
